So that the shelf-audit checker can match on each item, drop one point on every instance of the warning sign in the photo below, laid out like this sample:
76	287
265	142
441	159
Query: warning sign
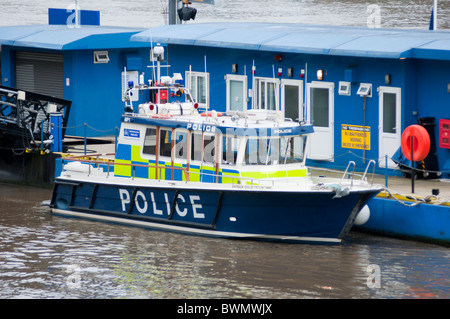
355	136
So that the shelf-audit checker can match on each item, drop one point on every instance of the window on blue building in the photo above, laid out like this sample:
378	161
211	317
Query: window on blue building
198	84
266	93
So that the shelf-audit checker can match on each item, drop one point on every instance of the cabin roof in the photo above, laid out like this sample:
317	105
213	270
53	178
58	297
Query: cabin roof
307	39
225	125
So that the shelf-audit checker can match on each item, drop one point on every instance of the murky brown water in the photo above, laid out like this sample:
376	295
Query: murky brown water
44	256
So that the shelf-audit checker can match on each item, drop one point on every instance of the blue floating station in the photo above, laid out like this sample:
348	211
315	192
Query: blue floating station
360	88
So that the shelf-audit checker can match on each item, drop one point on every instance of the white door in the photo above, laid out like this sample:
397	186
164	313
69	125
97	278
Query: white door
292	99
236	92
320	113
389	129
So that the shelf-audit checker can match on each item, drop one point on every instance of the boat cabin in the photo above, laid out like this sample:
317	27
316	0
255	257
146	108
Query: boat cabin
177	140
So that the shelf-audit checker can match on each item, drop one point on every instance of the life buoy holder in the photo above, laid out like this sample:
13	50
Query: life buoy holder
420	139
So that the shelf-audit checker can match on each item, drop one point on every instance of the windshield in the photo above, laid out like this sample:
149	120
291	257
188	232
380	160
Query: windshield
274	150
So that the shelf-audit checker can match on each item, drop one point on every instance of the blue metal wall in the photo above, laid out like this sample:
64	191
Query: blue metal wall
96	89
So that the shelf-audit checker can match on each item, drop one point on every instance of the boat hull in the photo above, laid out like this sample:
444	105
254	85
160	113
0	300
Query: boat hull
290	216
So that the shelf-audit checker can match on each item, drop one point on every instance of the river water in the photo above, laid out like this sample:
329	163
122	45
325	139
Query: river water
44	256
148	13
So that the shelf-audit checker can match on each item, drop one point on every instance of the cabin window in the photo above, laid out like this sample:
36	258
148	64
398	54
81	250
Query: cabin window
274	150
196	146
181	140
256	150
230	144
203	147
292	149
165	142
150	141
209	143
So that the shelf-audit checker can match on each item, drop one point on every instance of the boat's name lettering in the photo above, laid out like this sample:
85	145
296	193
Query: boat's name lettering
201	127
148	203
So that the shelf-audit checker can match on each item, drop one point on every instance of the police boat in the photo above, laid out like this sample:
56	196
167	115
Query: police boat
221	174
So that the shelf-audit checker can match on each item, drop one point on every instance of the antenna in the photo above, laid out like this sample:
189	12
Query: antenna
206	84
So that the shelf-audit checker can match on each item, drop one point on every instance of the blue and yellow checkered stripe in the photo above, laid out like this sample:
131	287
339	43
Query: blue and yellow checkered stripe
131	154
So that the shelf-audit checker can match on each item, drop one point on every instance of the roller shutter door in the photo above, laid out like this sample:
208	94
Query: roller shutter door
41	73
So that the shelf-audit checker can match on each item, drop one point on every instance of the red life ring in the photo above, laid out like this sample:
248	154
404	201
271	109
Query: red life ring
421	143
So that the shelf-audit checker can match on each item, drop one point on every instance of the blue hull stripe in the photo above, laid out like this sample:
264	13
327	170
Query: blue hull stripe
194	231
294	216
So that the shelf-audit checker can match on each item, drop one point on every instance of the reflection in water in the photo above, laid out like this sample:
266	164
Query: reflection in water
42	256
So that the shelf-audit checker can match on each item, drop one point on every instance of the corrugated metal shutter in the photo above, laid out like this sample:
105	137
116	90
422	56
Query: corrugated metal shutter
41	73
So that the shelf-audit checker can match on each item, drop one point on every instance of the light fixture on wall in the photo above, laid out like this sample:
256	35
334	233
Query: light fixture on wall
320	75
234	68
448	88
387	79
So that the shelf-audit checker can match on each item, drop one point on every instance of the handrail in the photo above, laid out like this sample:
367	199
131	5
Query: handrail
346	170
373	172
235	180
108	164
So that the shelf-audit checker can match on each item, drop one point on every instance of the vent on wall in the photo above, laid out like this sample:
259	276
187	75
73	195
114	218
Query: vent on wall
101	57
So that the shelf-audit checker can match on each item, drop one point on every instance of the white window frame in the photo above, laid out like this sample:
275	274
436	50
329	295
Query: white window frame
243	79
299	84
389	142
258	83
189	75
345	88
321	143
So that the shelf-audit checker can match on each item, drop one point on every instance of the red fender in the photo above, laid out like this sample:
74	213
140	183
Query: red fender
421	142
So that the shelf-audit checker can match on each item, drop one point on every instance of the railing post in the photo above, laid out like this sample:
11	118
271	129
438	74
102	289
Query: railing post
386	170
85	137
